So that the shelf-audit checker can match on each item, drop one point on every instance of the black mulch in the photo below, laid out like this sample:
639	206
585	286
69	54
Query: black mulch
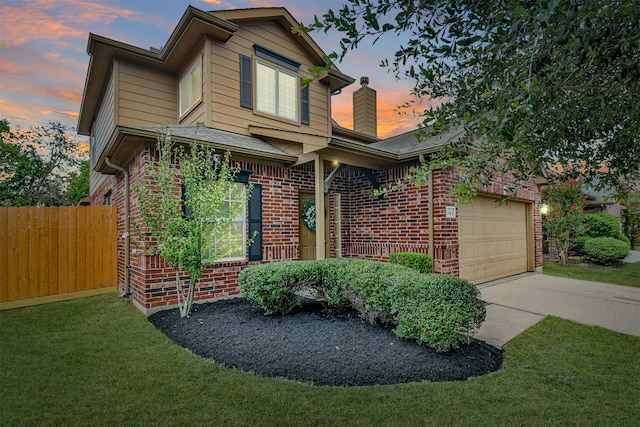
317	346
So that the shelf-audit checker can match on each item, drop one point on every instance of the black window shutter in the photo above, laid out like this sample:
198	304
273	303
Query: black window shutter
255	223
246	82
185	209
304	104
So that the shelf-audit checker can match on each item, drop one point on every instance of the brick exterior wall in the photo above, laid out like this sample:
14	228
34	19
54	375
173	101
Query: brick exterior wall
372	227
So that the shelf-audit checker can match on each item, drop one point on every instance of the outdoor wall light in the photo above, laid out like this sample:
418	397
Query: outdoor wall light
544	209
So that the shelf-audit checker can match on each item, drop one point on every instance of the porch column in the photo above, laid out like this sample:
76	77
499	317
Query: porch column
318	164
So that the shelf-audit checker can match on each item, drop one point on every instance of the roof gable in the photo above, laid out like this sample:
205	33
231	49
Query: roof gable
333	77
194	25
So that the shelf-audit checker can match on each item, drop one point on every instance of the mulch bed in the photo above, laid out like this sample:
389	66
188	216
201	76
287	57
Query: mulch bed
317	346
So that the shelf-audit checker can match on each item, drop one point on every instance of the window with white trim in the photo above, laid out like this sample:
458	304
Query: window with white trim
276	92
229	237
190	88
241	236
278	86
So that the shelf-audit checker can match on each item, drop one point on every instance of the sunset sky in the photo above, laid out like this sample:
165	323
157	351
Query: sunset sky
43	59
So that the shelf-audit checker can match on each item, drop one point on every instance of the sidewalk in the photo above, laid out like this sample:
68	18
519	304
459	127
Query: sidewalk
634	256
516	304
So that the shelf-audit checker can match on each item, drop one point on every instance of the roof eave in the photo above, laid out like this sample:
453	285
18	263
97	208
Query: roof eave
102	50
151	135
338	142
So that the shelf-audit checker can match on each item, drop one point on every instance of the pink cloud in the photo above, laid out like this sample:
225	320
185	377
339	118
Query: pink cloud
33	23
56	22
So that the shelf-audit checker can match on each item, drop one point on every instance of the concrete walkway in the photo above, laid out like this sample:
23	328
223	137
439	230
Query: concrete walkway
515	304
634	256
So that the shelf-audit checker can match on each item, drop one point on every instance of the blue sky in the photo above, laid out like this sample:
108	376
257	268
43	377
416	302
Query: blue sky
43	59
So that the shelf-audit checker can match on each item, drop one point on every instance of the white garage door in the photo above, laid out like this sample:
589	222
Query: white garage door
493	240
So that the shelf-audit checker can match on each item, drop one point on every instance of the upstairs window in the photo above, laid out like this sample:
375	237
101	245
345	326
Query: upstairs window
276	92
191	87
278	88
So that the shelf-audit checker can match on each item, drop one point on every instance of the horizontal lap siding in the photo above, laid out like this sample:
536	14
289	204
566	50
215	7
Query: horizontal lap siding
102	130
224	102
145	96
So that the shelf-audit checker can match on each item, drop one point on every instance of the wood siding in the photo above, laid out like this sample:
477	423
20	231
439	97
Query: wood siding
145	96
224	99
103	127
47	251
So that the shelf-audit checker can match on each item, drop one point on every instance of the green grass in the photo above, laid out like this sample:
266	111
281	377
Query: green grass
626	274
97	361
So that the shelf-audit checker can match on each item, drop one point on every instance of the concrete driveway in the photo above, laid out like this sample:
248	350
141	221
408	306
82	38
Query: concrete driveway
515	304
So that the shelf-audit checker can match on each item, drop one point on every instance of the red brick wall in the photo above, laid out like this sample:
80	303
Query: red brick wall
372	227
152	282
375	227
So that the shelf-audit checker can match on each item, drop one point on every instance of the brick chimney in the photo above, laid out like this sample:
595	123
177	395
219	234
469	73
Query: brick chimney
364	109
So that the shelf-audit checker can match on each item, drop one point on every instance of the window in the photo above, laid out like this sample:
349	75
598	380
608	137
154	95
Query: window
191	87
231	237
278	88
276	92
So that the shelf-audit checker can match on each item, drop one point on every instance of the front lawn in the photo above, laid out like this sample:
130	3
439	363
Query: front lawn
98	361
626	274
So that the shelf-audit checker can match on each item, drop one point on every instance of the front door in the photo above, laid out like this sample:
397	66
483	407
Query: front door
307	237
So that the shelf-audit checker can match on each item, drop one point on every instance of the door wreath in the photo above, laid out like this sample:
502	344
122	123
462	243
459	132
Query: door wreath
309	215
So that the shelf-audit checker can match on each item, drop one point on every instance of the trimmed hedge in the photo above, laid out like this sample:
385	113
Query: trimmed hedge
605	250
417	261
604	225
436	310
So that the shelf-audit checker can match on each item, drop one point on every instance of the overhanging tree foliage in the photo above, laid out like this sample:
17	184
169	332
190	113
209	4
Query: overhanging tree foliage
35	164
538	84
78	183
565	221
187	231
631	225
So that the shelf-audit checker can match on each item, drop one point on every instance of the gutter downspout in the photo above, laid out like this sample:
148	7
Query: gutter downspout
431	250
127	239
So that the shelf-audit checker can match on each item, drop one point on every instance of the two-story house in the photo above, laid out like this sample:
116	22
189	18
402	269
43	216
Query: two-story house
238	73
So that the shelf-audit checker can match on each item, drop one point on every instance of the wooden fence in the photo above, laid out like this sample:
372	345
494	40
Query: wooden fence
53	251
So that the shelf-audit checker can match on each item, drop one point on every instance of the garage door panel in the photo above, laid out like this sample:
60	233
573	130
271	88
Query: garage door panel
492	239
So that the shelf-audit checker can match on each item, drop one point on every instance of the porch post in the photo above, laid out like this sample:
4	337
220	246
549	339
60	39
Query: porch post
318	167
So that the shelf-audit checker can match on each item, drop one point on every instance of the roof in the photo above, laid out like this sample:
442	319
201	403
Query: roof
192	27
222	139
408	144
380	155
598	196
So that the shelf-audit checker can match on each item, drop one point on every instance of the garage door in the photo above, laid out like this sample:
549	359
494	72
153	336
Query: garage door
493	240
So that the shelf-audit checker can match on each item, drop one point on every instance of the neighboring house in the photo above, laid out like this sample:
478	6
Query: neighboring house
602	201
238	73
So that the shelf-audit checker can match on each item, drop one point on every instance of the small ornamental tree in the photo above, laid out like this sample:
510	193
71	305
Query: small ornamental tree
565	220
631	224
188	224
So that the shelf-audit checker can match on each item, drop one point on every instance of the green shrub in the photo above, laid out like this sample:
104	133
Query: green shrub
605	250
417	261
604	225
273	286
437	310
